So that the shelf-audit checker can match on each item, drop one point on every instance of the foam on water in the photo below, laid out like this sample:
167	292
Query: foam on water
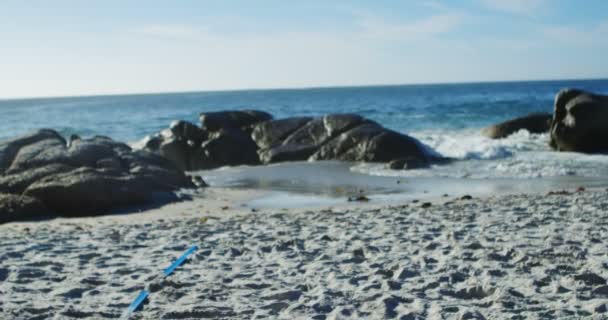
521	155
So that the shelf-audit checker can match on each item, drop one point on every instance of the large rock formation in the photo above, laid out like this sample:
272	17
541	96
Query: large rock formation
87	177
224	139
580	122
251	137
533	123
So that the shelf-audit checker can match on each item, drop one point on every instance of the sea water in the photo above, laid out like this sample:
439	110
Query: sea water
447	118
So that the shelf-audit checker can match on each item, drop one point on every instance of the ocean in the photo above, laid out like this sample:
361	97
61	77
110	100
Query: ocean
445	117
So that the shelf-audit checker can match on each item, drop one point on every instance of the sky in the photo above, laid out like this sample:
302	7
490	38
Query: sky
74	47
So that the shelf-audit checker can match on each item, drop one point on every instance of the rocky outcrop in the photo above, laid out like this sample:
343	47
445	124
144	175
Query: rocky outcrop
216	121
251	137
15	207
580	122
225	139
533	123
87	177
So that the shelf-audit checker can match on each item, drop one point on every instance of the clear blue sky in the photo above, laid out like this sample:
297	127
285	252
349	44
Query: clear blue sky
74	47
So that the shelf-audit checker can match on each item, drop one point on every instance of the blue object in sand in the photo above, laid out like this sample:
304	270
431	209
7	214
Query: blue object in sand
167	272
137	302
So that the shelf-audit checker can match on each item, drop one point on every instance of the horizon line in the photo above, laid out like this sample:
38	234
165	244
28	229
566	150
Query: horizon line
295	88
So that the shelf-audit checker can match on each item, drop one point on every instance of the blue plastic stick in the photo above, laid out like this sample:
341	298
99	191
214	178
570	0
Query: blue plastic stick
179	261
168	271
136	303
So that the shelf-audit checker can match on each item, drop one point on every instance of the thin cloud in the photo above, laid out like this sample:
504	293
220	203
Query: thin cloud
519	7
375	27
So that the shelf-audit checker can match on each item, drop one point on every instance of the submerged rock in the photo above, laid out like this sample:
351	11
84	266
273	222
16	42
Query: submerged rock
533	123
87	177
580	122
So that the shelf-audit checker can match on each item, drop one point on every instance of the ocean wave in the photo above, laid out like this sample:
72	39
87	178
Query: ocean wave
469	144
521	155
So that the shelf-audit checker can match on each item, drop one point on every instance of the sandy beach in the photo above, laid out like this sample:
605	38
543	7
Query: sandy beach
503	257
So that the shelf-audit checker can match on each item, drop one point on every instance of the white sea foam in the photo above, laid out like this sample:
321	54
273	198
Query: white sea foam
521	155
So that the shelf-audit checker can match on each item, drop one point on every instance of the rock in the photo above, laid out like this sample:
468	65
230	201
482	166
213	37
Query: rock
199	182
320	130
306	137
359	198
302	143
533	123
188	132
215	121
580	122
230	147
85	191
370	142
18	182
90	176
191	148
272	133
181	144
251	137
37	153
10	148
287	153
15	207
408	163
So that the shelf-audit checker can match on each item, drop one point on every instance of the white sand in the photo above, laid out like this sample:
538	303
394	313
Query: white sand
509	257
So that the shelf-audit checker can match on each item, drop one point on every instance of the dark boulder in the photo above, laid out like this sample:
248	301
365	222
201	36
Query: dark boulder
288	152
180	143
533	123
371	142
215	121
87	191
320	130
250	138
10	148
14	207
305	138
90	176
191	148
580	122
17	182
230	147
272	133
